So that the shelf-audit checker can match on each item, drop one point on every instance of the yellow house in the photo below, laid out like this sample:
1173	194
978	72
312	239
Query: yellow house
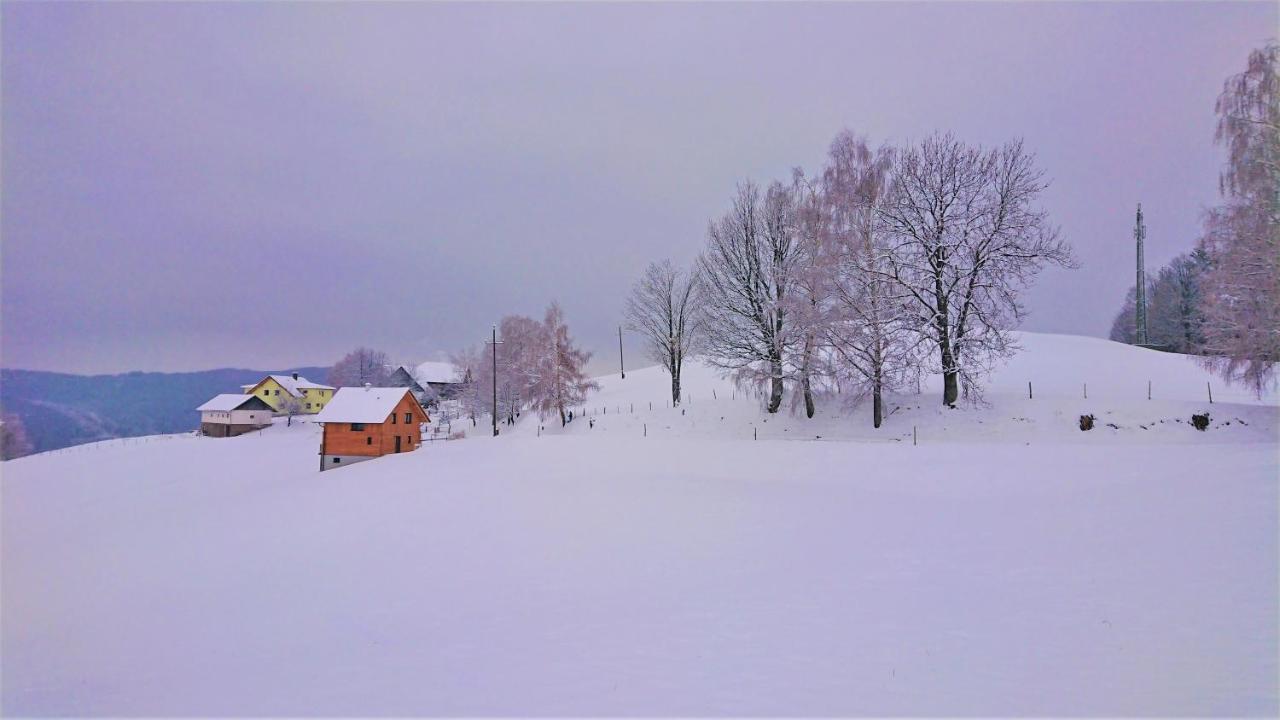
285	392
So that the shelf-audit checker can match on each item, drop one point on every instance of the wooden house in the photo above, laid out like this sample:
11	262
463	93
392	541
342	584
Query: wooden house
233	414
362	423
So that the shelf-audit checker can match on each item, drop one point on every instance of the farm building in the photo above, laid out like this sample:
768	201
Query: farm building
291	392
426	396
362	423
443	378
233	414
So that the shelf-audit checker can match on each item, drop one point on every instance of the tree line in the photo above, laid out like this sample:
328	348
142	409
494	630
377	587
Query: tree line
1222	300
886	264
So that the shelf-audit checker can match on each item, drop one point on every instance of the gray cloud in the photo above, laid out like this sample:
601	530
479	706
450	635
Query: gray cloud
198	185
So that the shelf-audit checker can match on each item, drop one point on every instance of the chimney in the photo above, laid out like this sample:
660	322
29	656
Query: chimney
295	376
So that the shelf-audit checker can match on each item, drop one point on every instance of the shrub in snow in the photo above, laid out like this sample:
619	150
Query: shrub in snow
1200	422
1086	422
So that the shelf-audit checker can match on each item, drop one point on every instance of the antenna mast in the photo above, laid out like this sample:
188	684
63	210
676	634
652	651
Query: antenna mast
1140	234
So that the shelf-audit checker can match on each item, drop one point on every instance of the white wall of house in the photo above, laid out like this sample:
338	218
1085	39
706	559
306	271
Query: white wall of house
236	417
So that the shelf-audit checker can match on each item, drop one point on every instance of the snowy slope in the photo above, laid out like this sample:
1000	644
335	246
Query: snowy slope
1059	367
594	571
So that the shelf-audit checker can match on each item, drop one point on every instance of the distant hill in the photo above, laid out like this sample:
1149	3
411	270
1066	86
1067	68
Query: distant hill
60	410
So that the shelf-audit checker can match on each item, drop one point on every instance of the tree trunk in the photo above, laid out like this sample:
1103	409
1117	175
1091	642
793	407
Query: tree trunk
808	396
775	386
563	421
877	403
950	375
675	388
805	384
950	387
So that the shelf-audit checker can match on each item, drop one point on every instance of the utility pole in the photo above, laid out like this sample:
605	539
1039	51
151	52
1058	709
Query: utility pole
495	345
1140	304
621	367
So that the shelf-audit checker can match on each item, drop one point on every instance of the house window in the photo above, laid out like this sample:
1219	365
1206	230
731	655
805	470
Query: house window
308	406
306	391
408	439
393	418
368	441
357	427
337	460
277	392
408	418
265	392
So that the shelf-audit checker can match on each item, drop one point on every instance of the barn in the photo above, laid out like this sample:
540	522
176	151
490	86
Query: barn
362	423
233	414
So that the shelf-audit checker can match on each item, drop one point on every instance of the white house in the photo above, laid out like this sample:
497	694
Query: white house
233	414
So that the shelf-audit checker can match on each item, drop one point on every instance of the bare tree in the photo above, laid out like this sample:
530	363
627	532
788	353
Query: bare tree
361	366
14	442
289	405
809	303
746	271
870	328
469	366
558	369
966	239
664	309
1242	237
524	341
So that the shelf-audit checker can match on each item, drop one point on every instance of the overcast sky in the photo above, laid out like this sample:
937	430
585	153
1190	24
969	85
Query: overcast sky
189	186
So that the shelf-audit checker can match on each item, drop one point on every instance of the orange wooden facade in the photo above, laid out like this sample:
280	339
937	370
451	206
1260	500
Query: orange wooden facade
377	439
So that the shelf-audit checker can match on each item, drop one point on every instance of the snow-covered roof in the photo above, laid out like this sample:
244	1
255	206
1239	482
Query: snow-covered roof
362	404
434	371
293	387
227	402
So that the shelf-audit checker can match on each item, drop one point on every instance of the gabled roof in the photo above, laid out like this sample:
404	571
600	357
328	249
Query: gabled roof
364	404
291	386
436	372
402	378
227	402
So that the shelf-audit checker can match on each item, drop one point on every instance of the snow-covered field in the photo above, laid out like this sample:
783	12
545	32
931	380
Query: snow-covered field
1007	565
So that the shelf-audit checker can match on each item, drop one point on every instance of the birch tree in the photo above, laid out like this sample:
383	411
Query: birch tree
966	237
869	329
469	365
557	374
664	309
808	304
1242	236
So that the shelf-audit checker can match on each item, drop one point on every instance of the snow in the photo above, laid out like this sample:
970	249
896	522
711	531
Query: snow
361	404
435	372
226	402
1015	566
